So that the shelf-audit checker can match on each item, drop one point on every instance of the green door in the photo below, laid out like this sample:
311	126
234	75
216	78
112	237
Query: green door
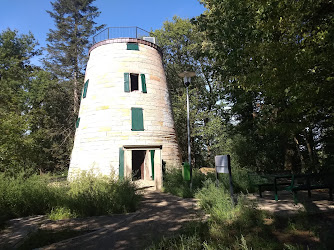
121	163
152	162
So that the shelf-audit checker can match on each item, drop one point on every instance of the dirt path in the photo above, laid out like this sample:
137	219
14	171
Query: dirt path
285	206
160	215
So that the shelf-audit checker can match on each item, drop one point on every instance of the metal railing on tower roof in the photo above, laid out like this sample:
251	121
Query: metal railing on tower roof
120	32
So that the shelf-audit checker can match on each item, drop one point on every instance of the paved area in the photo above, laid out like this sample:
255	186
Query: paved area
18	229
160	215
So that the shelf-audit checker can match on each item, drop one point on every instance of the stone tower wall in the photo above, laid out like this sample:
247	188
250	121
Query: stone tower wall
105	112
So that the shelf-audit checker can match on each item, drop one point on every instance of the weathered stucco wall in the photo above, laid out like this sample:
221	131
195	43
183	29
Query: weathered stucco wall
105	113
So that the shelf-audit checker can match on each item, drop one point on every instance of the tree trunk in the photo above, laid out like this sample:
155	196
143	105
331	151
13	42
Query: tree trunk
75	93
310	148
300	155
289	157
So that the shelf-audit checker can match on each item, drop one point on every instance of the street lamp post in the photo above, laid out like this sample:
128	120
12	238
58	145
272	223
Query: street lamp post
186	75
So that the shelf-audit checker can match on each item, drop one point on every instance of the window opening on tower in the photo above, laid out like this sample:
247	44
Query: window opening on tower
134	82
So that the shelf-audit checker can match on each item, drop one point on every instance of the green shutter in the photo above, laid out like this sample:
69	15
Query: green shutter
132	46
137	119
77	123
85	89
143	83
152	162
126	82
121	163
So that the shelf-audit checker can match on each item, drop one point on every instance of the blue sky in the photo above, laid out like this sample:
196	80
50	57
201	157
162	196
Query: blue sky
30	15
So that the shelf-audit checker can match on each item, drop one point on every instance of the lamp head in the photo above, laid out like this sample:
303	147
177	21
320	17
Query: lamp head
187	77
187	81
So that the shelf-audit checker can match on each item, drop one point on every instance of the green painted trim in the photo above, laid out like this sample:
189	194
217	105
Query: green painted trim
126	82
132	46
121	163
85	89
77	123
143	83
137	119
152	162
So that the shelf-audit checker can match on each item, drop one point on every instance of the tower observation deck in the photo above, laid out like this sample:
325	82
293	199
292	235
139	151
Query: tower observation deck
125	125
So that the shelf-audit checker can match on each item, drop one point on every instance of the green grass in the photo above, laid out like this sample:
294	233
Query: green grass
86	196
61	213
26	196
174	183
89	196
243	226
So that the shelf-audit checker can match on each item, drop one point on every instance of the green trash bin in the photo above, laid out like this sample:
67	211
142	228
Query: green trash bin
186	171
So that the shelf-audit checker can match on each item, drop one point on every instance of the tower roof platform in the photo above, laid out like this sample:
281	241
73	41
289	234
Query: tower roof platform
132	34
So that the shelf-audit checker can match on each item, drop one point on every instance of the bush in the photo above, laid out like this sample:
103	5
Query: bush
218	202
174	183
86	196
26	196
90	195
241	180
61	213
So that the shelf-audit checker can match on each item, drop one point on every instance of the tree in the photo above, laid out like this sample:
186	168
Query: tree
69	42
274	60
67	56
35	110
50	122
180	42
15	77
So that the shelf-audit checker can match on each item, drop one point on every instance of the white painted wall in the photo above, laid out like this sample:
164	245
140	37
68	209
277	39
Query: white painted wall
105	113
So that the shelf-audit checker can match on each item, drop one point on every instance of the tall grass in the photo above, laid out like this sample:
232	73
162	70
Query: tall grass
243	226
233	225
88	195
230	226
174	183
20	196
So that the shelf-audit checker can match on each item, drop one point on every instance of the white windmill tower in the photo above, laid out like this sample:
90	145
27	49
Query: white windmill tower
125	122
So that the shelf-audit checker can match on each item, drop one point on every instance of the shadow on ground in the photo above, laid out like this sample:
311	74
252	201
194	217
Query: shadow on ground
160	215
285	206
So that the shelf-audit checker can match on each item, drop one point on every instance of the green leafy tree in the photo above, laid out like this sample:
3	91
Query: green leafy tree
35	110
16	73
67	51
50	122
274	60
180	41
68	43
